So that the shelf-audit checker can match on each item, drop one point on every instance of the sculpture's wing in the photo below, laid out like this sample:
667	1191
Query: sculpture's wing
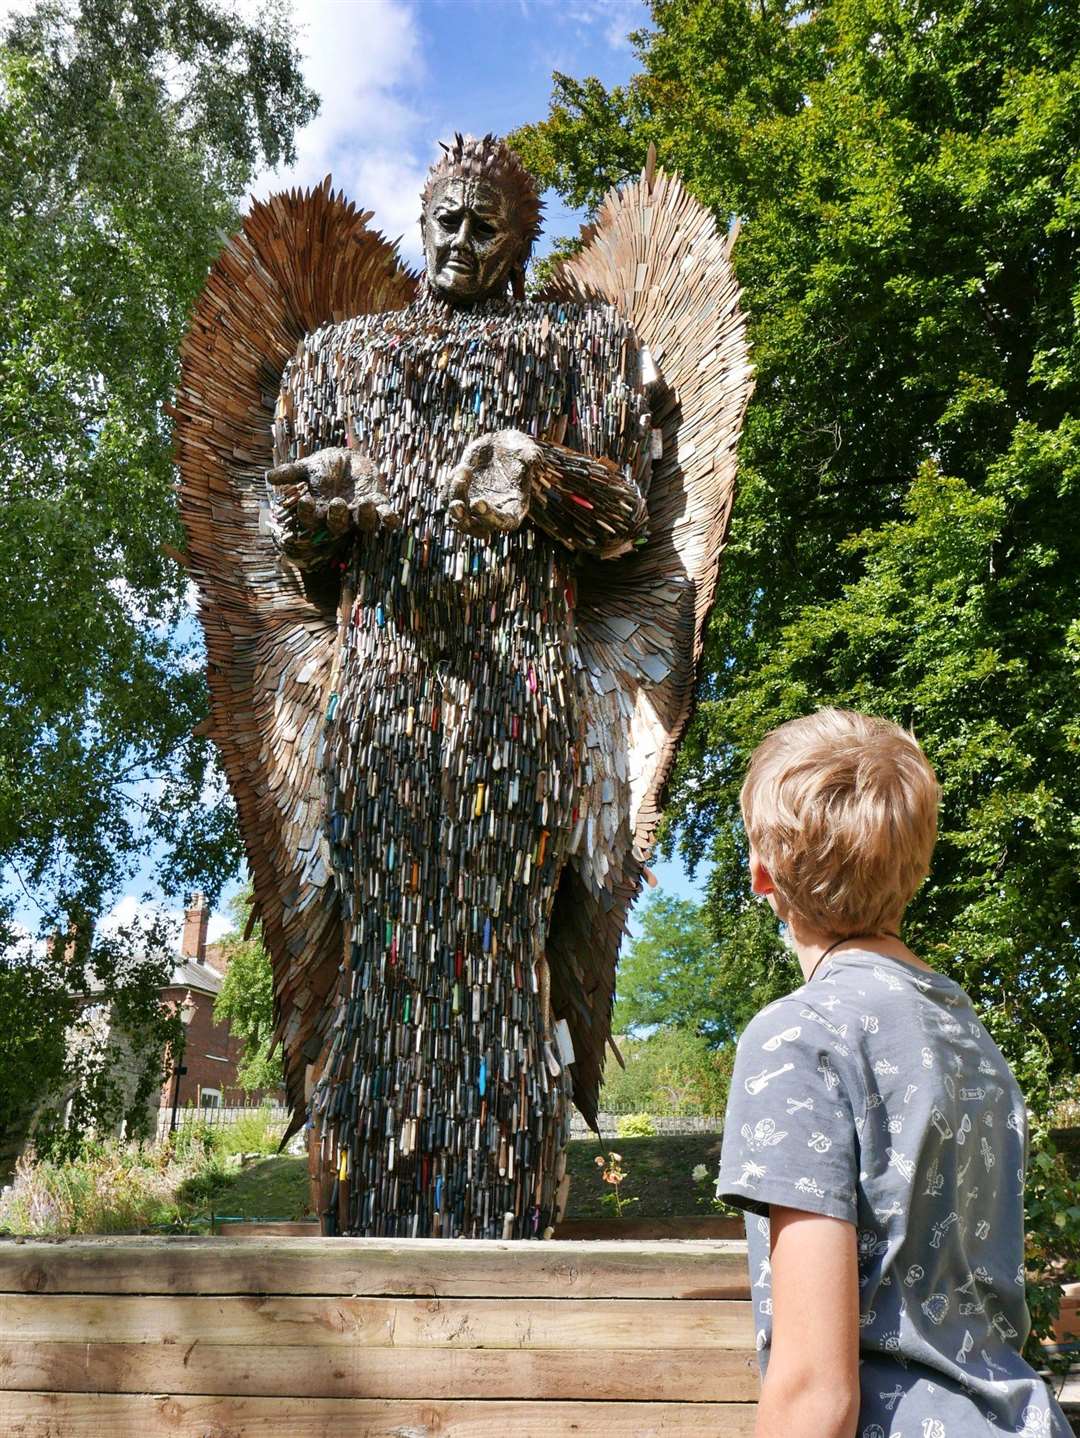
300	261
655	252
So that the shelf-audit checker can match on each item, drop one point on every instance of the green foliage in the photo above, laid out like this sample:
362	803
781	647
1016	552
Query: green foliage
668	975
253	1132
126	133
635	1125
672	1072
904	538
540	271
82	1034
107	1187
115	1186
1052	1241
246	1001
1065	1104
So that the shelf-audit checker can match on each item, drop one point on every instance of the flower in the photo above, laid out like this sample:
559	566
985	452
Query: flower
599	1160
700	1173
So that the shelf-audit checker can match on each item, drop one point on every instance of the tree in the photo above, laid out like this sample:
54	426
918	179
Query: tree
669	974
904	537
246	1000
127	130
673	1071
83	1034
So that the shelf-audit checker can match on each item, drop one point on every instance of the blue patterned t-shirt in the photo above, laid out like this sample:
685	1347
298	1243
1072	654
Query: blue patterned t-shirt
873	1094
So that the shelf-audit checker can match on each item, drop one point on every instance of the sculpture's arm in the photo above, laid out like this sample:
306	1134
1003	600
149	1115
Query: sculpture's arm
320	500
589	503
586	503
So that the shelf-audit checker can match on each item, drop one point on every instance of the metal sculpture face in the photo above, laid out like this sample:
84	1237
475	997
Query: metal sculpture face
472	240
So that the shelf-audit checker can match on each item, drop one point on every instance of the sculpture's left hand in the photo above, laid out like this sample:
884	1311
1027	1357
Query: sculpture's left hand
488	491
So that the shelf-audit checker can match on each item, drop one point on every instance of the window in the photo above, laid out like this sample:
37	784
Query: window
210	1097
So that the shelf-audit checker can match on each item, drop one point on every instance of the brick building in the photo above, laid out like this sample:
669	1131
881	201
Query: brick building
211	1052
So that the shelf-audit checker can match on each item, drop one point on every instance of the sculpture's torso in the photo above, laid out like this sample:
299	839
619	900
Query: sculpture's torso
453	763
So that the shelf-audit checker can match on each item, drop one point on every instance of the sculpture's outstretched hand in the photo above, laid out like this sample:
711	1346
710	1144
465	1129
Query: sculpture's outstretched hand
488	491
336	489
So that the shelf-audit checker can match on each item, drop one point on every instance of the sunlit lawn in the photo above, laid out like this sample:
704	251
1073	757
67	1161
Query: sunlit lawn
658	1176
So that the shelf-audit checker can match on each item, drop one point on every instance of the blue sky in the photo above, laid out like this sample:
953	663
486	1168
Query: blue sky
395	77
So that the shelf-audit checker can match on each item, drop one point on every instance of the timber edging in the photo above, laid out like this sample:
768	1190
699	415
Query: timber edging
251	1337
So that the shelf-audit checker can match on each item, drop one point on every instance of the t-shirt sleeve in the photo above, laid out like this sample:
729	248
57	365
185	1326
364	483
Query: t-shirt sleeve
790	1135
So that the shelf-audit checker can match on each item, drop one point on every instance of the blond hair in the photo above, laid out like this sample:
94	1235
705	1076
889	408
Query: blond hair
842	810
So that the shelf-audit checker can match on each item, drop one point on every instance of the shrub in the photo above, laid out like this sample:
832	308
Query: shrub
635	1125
255	1132
1065	1104
108	1187
113	1186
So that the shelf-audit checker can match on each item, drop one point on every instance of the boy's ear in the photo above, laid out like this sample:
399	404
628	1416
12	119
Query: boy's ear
760	878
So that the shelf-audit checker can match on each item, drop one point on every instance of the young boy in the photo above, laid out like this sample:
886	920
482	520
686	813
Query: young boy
874	1134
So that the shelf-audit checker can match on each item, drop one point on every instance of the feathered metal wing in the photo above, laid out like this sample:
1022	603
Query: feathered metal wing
656	254
301	260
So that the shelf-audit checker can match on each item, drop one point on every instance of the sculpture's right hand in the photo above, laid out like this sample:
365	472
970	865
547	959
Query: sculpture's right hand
338	489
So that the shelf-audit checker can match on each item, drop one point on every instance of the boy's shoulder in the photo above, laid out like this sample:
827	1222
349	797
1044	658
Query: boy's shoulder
797	1021
830	1009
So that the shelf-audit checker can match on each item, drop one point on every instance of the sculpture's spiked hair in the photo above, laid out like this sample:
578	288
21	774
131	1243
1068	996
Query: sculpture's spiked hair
491	159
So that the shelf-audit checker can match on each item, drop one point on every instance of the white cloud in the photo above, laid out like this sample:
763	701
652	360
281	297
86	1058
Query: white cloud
131	911
25	943
218	927
10	8
615	19
364	61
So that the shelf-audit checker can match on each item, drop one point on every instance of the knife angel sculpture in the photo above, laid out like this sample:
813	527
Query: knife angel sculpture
455	551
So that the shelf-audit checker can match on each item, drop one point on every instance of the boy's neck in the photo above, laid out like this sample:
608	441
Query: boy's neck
811	946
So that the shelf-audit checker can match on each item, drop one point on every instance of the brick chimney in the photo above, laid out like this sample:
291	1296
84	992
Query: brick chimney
215	958
196	919
62	945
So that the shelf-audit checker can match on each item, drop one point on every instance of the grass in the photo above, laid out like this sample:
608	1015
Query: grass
658	1176
274	1187
119	1187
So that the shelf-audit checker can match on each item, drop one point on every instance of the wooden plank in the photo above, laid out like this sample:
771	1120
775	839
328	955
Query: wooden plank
272	1228
269	1370
377	1322
372	1266
693	1226
143	1415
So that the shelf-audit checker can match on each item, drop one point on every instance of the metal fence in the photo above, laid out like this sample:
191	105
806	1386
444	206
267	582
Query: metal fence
662	1123
276	1113
220	1117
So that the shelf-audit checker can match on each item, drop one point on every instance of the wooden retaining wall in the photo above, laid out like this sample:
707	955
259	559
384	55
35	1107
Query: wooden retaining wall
370	1338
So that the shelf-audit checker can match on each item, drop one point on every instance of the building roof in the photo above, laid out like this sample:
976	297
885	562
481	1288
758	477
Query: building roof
190	974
